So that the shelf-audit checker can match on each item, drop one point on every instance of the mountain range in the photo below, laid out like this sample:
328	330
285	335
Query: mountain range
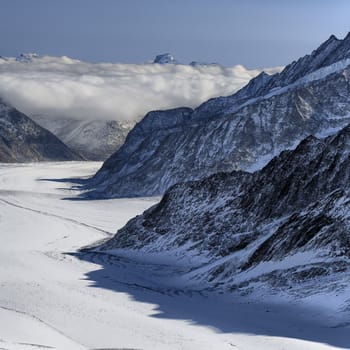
242	131
279	230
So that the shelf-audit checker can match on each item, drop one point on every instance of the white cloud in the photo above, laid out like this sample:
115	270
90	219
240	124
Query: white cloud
63	87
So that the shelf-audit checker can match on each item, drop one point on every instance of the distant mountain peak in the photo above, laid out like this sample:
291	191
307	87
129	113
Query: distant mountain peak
165	58
333	37
27	57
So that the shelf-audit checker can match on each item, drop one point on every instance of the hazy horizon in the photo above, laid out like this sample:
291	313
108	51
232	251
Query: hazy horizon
252	33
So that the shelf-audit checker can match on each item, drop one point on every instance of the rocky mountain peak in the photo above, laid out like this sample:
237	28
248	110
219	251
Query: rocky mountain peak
255	86
165	58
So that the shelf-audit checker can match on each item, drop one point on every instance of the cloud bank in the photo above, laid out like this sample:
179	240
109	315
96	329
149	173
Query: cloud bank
63	87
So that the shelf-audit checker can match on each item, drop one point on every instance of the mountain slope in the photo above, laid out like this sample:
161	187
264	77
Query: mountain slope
93	139
285	227
22	140
243	131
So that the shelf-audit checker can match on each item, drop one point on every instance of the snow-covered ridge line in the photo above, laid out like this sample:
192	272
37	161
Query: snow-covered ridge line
314	76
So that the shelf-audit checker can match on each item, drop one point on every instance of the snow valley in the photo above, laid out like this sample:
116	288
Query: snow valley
60	298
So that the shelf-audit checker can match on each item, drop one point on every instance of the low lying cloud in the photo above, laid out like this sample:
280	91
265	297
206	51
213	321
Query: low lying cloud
63	87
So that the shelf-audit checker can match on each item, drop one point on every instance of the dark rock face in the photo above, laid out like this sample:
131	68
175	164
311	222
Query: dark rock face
242	131
22	140
286	223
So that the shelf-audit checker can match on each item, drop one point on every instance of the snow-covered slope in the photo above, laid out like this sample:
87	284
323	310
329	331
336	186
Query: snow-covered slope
54	297
94	140
283	230
242	131
22	140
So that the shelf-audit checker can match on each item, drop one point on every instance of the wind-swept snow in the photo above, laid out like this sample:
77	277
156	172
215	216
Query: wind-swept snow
51	296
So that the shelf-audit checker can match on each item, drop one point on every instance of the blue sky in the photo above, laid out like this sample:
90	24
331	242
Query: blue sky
255	33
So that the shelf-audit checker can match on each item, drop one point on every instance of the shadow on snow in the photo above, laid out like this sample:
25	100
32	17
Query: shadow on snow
158	284
149	283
